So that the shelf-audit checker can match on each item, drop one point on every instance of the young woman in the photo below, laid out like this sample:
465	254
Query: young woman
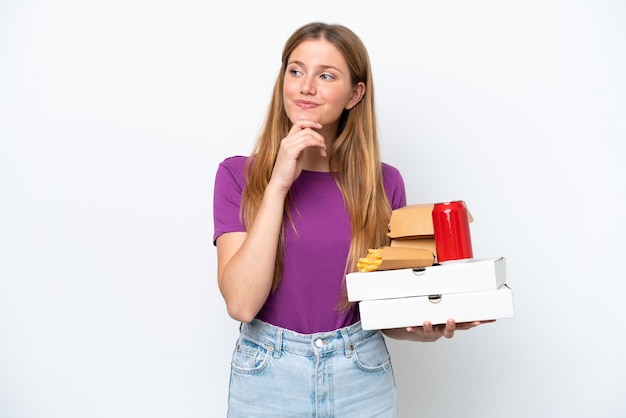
290	221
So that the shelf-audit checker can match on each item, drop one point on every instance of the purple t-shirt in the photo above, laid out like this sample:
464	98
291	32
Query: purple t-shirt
311	288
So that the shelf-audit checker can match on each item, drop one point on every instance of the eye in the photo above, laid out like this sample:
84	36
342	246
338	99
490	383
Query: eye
327	77
294	72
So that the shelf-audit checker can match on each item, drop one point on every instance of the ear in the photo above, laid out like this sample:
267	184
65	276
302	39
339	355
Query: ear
357	94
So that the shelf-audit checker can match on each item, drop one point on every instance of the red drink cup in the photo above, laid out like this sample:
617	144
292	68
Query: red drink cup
452	233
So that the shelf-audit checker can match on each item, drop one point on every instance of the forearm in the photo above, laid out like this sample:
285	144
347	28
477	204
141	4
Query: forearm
245	280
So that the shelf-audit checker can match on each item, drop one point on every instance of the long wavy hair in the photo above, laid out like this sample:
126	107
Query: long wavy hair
354	158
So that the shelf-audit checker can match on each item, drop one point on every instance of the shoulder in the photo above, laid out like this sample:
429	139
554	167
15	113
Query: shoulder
388	168
231	172
394	185
234	163
390	173
233	167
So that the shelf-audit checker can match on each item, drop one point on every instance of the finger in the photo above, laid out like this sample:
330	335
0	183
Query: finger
305	123
296	142
305	133
314	139
427	327
448	331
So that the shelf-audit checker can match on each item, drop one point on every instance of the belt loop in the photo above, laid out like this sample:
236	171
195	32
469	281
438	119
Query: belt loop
279	342
346	342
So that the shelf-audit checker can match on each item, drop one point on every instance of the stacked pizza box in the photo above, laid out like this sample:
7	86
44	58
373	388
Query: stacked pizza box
401	292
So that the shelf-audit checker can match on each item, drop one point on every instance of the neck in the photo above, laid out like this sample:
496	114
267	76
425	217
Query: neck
313	161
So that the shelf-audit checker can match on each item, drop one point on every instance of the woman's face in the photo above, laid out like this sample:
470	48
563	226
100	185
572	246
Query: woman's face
317	85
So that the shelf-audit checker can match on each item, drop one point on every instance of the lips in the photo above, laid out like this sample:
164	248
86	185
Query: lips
305	104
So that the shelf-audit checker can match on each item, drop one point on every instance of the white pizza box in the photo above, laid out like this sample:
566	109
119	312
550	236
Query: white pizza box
458	276
413	311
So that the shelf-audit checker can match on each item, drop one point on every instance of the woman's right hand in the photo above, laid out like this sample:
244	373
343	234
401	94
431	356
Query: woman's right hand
289	160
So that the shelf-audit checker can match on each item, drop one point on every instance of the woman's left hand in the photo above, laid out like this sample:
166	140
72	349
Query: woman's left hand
429	332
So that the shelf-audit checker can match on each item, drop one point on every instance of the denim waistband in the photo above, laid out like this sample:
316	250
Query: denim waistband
279	339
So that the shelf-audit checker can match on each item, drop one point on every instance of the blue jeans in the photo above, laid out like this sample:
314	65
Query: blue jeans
280	373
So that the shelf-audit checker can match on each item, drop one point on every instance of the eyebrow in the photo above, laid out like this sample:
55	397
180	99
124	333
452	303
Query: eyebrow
322	67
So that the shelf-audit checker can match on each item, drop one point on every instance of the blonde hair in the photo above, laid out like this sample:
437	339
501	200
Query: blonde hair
354	158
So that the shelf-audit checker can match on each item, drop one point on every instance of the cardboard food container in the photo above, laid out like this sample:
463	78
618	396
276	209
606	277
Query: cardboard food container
413	311
424	243
460	276
400	258
413	222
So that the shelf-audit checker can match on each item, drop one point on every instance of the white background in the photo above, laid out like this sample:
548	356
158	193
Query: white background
113	118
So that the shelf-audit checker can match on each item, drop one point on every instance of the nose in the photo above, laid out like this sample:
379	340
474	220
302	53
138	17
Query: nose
307	86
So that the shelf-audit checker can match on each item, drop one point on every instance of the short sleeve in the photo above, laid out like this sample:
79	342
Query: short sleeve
394	186
228	188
